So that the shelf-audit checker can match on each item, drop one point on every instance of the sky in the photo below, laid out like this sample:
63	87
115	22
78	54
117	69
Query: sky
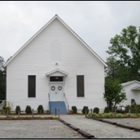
95	22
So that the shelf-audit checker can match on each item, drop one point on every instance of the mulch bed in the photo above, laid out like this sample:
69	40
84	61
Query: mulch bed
28	118
112	117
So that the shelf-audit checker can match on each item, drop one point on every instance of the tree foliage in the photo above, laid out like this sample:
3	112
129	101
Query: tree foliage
113	93
2	80
124	55
1	63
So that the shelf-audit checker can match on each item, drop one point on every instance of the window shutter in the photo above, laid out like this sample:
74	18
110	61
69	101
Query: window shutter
31	86
80	86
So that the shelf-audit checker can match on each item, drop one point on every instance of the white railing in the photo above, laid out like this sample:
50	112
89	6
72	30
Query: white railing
49	101
66	102
1	104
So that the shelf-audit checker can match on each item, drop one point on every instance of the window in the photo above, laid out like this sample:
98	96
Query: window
56	78
31	86
80	86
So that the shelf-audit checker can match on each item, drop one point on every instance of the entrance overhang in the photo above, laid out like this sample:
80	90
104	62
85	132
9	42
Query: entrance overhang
56	72
137	88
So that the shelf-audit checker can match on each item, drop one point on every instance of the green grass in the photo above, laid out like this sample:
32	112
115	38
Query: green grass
41	116
54	117
94	114
133	115
100	114
111	114
77	114
89	114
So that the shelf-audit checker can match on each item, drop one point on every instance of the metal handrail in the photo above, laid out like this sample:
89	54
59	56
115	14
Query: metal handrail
1	104
49	102
66	101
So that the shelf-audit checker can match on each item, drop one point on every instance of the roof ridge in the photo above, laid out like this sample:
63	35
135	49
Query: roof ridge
32	37
41	29
80	38
130	82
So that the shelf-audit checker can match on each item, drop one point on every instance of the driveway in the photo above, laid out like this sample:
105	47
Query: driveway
101	129
36	129
56	129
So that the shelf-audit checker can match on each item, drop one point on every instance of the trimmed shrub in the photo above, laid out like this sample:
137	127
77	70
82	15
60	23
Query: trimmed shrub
106	110
139	108
74	108
17	109
135	108
127	107
111	114
28	109
40	109
7	107
106	115
94	114
85	108
119	115
96	110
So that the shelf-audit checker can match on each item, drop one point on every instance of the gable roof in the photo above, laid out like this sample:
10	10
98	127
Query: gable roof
129	83
36	34
57	70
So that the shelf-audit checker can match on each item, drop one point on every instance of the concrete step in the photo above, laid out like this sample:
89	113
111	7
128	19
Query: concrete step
58	105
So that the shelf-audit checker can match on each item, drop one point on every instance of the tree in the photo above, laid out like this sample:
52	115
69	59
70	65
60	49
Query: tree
115	70
112	68
113	93
2	80
124	55
1	63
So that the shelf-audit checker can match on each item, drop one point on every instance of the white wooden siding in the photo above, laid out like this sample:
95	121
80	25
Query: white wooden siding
131	94
35	59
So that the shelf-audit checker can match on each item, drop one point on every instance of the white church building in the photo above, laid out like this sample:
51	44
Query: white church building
57	69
